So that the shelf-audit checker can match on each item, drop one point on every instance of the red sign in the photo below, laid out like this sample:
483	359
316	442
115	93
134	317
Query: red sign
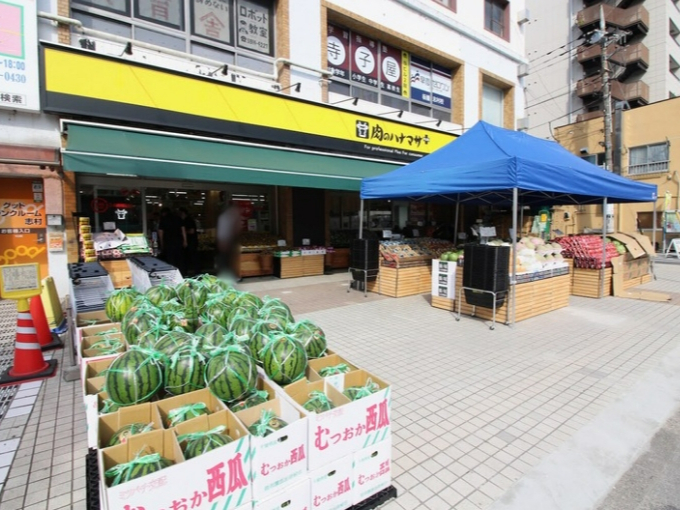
364	60
390	69
338	52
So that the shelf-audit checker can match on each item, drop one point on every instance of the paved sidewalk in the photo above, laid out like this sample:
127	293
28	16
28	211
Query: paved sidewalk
473	410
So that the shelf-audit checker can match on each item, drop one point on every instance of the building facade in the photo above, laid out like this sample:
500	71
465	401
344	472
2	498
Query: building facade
280	106
564	83
648	153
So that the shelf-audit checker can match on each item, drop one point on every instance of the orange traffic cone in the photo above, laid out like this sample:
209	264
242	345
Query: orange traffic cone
46	338
29	363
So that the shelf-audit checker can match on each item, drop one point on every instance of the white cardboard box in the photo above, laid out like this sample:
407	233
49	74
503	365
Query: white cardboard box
280	458
444	279
372	470
331	485
295	497
351	427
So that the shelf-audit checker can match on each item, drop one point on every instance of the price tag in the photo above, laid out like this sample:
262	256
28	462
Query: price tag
387	234
20	281
305	242
281	242
109	225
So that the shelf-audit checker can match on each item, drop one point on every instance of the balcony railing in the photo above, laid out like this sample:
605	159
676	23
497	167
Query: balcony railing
649	168
637	91
633	18
582	117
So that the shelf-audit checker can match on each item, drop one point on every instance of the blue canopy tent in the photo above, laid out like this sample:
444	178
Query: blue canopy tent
492	165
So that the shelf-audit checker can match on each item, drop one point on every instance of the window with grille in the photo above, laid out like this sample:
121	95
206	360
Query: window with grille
496	17
648	159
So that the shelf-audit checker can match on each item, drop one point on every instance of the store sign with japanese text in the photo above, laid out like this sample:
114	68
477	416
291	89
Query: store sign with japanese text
254	26
19	77
338	49
212	19
22	223
364	63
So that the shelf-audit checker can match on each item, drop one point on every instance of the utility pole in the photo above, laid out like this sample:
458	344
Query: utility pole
606	92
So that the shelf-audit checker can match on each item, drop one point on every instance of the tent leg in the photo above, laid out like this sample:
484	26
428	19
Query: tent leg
361	219
604	247
513	281
651	262
455	223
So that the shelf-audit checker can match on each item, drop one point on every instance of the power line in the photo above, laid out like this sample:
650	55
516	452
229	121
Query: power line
558	48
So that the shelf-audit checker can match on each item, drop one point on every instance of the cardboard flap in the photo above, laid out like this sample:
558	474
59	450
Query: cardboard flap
644	242
630	243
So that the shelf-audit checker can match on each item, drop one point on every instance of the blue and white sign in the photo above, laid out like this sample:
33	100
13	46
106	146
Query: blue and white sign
441	87
421	80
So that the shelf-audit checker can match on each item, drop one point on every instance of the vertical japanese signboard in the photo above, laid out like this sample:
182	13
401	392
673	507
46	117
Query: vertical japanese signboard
441	86
338	51
364	60
421	80
19	78
254	22
391	69
22	223
212	19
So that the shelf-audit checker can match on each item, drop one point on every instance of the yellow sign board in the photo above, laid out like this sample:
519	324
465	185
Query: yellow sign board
19	281
83	83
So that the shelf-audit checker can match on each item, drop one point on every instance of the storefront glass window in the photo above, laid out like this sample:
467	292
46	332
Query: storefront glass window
112	208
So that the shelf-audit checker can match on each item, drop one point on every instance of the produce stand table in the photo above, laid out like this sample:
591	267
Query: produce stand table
404	280
299	265
532	298
255	261
337	258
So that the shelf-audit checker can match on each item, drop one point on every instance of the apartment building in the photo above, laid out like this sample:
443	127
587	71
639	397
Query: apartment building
281	106
564	83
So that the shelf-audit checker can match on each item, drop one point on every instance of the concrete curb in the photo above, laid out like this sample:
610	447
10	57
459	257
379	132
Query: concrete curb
581	472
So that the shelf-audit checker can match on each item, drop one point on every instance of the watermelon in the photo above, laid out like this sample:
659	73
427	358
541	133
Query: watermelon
143	320
182	320
108	406
254	399
142	465
232	373
318	403
169	343
199	443
134	377
216	311
275	310
240	327
342	368
192	293
267	424
184	413
260	336
242	311
357	392
107	346
212	335
248	300
160	294
311	336
119	302
213	283
284	359
184	372
148	339
122	434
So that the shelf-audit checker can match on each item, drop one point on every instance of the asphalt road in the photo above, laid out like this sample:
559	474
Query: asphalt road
653	482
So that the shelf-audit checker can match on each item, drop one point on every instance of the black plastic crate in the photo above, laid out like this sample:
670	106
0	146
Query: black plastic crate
484	299
365	254
82	270
486	267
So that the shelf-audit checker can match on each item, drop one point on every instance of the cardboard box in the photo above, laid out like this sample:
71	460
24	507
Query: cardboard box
351	427
166	405
94	385
280	458
337	380
293	497
444	279
100	329
331	485
91	318
111	423
92	368
87	352
372	470
92	419
299	392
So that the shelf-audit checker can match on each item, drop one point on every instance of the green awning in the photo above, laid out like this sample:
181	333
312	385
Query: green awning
111	151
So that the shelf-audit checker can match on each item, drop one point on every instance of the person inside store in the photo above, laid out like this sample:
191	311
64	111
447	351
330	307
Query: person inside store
228	231
191	266
172	237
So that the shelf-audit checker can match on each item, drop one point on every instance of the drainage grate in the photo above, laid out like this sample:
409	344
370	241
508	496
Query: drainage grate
8	324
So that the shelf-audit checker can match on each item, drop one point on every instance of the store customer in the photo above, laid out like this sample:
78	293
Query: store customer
172	238
228	230
191	265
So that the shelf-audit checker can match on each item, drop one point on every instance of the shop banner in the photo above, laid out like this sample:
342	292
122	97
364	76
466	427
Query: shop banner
212	19
364	60
441	87
22	223
19	77
390	69
164	12
254	22
421	80
338	51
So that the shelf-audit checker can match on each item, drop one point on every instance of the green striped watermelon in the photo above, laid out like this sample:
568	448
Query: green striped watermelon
143	320
123	434
248	300
185	413
311	336
148	339
341	368
201	443
357	392
242	311
231	374
267	424
277	311
211	336
214	284
254	399
216	311
134	377
184	372
107	346
141	466
240	327
160	294
318	403
169	343
192	293
284	359
119	302
260	336
108	406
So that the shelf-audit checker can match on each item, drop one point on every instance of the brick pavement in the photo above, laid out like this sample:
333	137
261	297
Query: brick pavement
473	409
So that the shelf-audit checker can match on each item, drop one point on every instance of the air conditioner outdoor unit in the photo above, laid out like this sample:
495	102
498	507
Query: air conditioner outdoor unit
522	70
523	124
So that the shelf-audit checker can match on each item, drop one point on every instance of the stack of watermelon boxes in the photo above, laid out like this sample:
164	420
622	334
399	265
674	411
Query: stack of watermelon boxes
328	461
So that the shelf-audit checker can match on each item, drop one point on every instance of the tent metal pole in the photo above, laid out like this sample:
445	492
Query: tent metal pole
604	247
513	281
455	225
651	264
361	219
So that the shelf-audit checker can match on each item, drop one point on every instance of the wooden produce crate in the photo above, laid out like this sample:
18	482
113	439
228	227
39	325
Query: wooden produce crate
256	263
119	271
587	282
443	303
338	258
402	281
312	265
295	267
